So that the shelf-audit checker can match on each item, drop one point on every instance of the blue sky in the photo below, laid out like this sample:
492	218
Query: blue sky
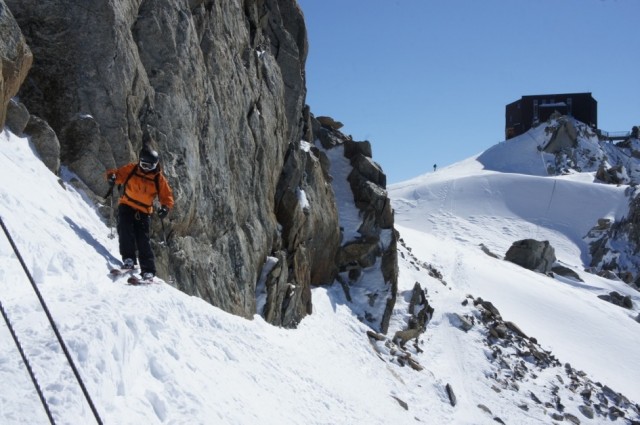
427	81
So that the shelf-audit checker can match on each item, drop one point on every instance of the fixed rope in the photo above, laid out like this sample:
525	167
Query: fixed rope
26	363
51	322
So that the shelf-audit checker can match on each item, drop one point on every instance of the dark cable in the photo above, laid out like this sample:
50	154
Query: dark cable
51	322
26	363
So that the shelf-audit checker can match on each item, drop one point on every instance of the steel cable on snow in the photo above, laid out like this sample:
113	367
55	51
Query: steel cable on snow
28	366
51	322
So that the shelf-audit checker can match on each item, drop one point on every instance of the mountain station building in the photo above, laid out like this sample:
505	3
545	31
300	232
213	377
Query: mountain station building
527	112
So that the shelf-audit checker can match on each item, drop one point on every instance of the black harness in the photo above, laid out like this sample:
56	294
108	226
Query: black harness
156	180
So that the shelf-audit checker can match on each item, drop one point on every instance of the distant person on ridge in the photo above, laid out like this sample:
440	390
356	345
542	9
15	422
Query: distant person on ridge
141	182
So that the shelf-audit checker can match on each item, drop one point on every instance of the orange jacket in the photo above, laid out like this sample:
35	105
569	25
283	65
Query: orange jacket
142	187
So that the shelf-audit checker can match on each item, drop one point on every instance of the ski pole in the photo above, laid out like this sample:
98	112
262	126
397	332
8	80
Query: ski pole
110	194
164	237
164	233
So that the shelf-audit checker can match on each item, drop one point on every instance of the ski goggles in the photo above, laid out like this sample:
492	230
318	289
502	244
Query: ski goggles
147	166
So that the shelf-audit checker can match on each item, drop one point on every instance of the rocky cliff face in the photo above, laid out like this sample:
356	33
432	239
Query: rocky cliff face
220	86
15	60
614	246
577	147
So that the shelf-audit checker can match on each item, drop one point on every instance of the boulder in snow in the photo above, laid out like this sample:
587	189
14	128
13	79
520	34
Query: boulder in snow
45	141
531	254
17	117
613	175
566	272
618	299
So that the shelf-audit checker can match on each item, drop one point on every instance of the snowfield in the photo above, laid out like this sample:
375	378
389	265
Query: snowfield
154	355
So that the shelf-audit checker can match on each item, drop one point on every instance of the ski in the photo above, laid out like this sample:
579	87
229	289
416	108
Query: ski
121	272
135	280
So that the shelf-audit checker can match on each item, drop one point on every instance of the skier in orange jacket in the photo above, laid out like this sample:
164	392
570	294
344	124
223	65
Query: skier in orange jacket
141	182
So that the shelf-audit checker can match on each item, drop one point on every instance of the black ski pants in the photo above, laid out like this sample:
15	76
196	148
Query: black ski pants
133	234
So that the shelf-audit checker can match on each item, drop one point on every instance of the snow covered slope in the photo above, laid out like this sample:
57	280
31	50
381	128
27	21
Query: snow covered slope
153	355
445	217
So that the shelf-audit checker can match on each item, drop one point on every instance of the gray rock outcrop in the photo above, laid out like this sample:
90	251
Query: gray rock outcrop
618	299
531	254
330	122
372	249
220	86
574	146
45	141
614	245
517	358
566	272
613	175
420	312
15	59
564	137
17	117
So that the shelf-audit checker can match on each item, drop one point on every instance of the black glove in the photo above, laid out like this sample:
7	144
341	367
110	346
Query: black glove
163	211
112	180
